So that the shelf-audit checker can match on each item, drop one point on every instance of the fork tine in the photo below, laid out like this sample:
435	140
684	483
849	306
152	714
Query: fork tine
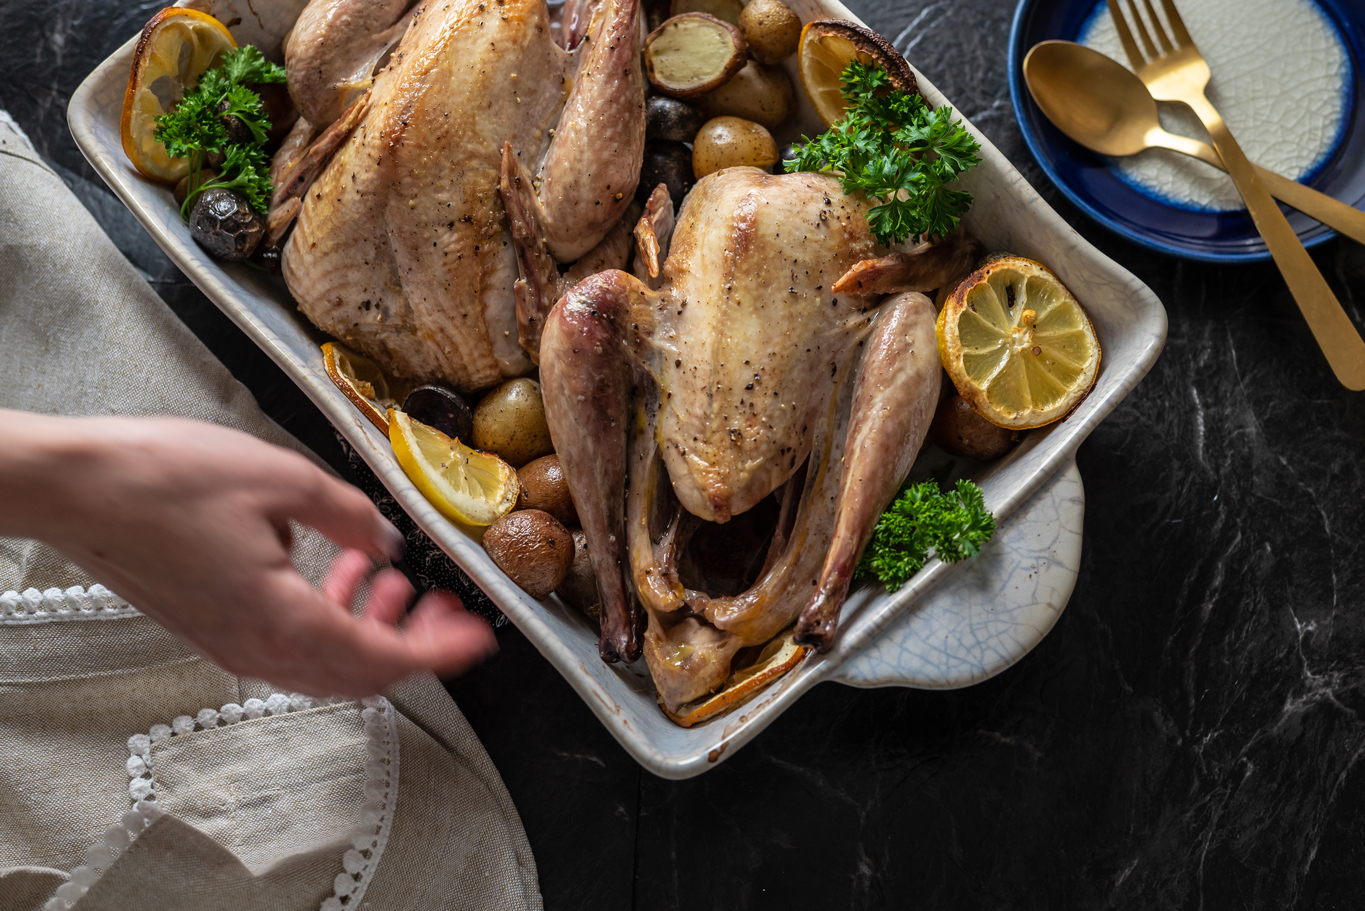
1182	37
1135	58
1141	28
1158	31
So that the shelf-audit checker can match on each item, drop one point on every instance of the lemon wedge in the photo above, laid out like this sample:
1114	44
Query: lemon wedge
176	48
364	383
464	484
1017	344
827	46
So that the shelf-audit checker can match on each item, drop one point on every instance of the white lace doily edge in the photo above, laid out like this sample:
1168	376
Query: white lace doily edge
55	604
359	862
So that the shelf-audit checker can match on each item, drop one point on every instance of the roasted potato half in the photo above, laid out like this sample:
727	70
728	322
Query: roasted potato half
692	54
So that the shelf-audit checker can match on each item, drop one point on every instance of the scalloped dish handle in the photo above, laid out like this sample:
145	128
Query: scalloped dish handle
1011	594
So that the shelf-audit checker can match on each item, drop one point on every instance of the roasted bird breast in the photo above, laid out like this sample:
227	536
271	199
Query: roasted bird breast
403	246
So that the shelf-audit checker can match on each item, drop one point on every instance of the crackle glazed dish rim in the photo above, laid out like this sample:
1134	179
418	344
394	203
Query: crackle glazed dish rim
1131	322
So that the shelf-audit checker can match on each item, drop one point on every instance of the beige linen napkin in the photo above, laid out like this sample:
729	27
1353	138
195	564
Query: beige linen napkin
140	775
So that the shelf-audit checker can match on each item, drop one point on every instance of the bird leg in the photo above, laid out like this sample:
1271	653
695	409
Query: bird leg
539	284
587	372
893	403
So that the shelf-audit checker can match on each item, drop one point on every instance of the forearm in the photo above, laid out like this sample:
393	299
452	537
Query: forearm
42	461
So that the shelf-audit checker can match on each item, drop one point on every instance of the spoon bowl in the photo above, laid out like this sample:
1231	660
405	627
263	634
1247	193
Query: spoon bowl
1093	99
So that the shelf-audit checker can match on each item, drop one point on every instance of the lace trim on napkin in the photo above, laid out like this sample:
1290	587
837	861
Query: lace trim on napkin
361	860
74	603
101	855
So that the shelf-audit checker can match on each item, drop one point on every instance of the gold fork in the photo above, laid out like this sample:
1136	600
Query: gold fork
1174	70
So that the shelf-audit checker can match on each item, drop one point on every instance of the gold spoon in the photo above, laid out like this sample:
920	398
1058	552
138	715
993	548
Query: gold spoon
1104	106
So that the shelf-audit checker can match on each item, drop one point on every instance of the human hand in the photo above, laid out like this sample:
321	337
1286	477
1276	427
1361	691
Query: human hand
190	523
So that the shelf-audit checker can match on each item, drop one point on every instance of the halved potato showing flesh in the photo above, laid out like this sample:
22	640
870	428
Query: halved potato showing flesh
692	54
827	47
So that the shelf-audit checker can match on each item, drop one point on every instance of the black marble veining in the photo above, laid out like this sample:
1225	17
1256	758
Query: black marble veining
1187	736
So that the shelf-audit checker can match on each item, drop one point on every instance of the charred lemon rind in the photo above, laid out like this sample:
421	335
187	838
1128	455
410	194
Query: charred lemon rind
828	45
362	381
142	100
1017	344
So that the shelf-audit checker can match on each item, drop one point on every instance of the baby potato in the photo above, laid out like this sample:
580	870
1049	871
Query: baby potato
544	487
757	92
958	430
772	30
729	142
533	549
510	421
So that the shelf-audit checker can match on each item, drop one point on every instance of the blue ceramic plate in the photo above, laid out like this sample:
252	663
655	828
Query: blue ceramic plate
1094	184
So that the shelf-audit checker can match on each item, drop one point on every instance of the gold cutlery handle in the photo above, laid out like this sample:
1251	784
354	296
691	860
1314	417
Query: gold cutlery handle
1335	334
1331	212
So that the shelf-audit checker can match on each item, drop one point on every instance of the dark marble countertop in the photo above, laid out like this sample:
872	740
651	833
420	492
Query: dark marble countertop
1186	737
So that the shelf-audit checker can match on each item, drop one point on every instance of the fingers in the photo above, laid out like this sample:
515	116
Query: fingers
390	592
450	642
342	513
347	572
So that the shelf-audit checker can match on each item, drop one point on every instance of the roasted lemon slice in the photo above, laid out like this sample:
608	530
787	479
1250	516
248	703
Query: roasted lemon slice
465	485
363	381
827	46
1017	344
175	49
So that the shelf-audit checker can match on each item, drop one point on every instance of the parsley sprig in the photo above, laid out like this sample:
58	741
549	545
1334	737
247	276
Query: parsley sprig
892	147
197	128
923	520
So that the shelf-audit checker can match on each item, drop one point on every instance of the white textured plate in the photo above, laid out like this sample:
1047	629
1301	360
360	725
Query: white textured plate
999	607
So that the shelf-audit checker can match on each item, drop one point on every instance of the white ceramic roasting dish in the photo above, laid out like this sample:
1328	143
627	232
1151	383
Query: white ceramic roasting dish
949	627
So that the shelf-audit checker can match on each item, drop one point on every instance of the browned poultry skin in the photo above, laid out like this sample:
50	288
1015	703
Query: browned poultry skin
332	51
741	367
402	247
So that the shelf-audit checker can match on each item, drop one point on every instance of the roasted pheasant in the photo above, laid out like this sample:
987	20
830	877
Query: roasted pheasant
403	247
764	359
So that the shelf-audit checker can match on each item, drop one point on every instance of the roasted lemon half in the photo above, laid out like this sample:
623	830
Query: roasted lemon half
464	484
827	46
176	48
1017	344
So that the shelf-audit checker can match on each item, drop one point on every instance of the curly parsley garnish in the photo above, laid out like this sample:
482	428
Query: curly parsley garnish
953	526
198	127
892	147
